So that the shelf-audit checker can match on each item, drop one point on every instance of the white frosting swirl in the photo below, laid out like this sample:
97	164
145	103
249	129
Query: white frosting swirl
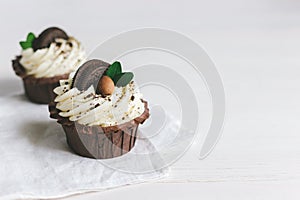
90	109
62	57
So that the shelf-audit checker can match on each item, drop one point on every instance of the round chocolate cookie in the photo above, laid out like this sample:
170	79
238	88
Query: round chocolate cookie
89	74
47	37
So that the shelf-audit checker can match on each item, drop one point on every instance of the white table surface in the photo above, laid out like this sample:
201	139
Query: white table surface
256	47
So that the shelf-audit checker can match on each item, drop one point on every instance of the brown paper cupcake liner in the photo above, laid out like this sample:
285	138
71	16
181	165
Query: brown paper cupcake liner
100	142
38	90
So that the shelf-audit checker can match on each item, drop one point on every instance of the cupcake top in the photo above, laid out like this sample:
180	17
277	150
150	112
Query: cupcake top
115	101
51	54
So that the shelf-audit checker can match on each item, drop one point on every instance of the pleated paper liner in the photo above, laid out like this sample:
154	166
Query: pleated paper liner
38	90
100	142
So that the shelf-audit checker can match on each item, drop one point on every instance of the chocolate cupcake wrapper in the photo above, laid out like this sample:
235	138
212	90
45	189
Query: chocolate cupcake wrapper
38	90
100	142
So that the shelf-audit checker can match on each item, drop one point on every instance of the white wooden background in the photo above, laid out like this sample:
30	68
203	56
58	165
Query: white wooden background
256	47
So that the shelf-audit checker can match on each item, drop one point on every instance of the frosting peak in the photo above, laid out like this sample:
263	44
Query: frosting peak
62	57
89	108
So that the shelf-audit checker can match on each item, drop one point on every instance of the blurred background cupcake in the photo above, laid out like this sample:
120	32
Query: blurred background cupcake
45	60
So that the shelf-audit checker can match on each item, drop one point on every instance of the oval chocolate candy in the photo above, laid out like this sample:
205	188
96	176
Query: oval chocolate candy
89	74
47	37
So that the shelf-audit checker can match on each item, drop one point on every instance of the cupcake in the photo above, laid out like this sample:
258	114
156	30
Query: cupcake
100	109
45	60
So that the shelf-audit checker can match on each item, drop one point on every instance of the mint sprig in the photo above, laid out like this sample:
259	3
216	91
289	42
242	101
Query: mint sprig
123	79
119	78
28	43
114	69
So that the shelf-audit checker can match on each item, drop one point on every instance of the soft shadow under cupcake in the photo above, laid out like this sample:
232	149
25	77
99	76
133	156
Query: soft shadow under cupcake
9	87
45	134
20	97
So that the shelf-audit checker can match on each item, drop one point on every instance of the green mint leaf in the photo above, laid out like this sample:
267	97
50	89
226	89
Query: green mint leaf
25	45
28	43
123	79
114	69
30	37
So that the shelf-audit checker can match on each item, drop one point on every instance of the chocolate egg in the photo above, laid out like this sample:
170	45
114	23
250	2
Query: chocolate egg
106	86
